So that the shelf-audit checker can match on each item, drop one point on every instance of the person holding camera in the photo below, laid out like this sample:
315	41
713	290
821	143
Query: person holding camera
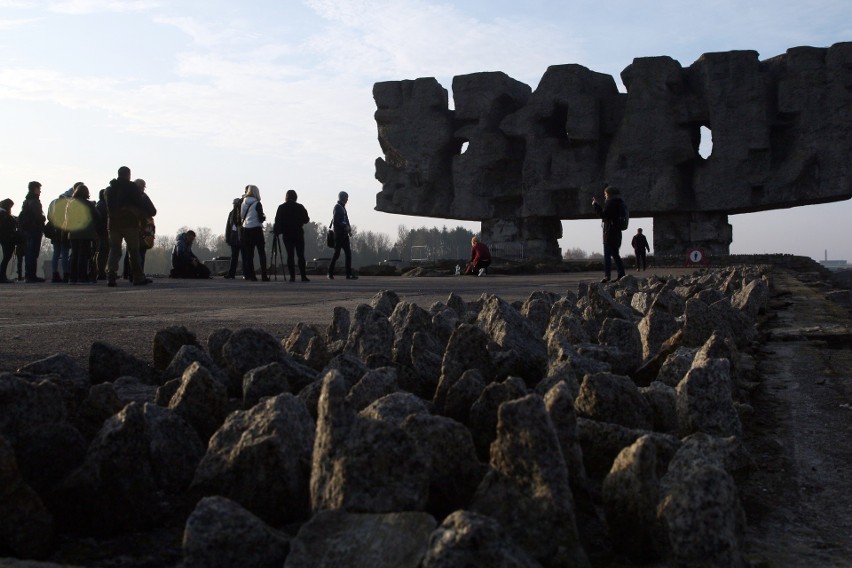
610	212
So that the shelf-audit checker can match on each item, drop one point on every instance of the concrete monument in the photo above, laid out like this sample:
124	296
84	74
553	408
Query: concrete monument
521	161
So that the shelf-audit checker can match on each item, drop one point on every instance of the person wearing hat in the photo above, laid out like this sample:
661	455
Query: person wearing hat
290	220
31	224
232	237
8	237
609	212
342	232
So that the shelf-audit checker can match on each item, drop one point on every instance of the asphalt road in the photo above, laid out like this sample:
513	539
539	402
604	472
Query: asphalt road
39	320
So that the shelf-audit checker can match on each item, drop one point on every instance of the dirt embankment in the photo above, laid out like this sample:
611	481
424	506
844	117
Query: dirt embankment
798	500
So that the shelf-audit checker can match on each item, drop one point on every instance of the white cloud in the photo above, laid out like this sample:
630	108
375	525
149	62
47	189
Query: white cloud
16	23
79	7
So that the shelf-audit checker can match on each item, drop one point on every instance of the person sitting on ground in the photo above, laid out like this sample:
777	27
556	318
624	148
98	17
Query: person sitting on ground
480	258
184	262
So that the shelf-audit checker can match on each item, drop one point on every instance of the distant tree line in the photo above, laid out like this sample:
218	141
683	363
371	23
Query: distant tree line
368	247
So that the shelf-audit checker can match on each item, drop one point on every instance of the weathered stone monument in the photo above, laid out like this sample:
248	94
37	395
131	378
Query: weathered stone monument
520	161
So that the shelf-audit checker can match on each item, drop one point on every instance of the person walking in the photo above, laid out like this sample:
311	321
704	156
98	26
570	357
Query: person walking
127	207
290	220
610	212
232	237
8	237
251	213
81	221
31	224
342	233
640	245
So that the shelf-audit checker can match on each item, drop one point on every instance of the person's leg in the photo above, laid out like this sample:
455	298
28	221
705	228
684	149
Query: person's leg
300	253
289	246
33	244
201	271
347	251
8	251
131	237
248	258
619	265
102	256
232	267
115	240
261	252
21	253
337	247
607	262
65	257
54	260
75	254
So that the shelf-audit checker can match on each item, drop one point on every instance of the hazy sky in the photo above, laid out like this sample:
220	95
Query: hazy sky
203	97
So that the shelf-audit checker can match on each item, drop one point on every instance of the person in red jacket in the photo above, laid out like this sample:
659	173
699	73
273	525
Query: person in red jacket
480	258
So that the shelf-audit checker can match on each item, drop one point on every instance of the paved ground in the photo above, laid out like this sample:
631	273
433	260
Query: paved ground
38	320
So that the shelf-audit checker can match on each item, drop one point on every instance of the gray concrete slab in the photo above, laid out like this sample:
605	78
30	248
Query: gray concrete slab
39	320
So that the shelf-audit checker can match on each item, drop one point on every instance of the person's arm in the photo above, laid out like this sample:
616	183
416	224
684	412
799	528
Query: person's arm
278	225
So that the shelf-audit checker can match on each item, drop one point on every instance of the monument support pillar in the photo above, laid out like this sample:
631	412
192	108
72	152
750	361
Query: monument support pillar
677	233
523	237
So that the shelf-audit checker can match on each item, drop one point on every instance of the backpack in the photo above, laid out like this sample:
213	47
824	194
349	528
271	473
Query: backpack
148	232
623	217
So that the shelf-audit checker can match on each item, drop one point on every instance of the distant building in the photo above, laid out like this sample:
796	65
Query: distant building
835	264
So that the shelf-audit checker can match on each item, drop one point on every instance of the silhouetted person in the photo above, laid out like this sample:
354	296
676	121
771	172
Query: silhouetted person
640	245
8	237
184	262
610	212
290	220
31	224
232	237
127	207
342	232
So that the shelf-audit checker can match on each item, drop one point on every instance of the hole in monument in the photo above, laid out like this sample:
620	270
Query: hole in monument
705	145
464	146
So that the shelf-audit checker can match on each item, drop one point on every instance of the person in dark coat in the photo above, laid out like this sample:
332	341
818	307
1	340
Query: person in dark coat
8	237
290	220
127	207
342	233
232	237
81	222
102	245
184	262
31	224
609	212
640	246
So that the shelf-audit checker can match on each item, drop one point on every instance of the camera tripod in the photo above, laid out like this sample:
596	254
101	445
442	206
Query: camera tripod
276	256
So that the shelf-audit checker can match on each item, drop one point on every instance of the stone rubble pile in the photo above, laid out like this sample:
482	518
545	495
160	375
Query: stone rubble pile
575	430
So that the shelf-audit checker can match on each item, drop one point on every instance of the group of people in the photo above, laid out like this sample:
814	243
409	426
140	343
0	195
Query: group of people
87	236
244	234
